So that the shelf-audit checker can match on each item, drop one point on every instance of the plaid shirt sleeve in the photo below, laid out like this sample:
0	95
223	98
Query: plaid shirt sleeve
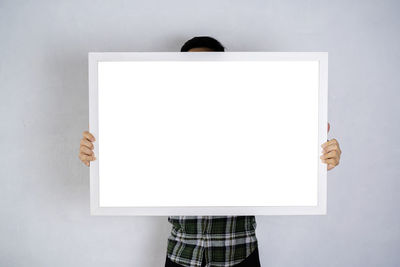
224	240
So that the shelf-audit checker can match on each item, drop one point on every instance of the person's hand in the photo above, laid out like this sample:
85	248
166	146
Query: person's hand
86	154
331	152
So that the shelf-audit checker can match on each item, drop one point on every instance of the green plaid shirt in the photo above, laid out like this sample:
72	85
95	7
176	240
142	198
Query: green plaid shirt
225	240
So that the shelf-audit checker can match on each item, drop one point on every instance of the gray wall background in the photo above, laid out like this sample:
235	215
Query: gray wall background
44	190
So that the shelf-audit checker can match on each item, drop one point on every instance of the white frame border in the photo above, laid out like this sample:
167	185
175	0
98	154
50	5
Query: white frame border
320	209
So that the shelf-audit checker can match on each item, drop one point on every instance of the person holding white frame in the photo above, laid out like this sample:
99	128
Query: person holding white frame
212	240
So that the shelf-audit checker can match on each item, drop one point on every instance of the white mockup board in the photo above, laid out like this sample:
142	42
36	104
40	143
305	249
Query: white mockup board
208	133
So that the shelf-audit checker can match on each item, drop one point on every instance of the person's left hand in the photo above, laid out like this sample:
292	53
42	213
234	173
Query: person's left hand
331	152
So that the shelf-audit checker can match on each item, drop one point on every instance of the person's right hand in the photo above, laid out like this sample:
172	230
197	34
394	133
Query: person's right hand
86	154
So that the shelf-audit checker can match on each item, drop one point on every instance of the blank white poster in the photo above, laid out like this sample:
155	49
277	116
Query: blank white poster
208	133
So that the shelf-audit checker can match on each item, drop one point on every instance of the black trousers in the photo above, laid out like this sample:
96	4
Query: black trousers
253	260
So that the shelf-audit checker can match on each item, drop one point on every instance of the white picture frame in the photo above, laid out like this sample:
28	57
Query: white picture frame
318	121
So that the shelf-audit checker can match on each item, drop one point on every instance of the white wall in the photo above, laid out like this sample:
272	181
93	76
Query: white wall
44	190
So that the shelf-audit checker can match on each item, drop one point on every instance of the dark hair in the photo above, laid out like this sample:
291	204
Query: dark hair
203	41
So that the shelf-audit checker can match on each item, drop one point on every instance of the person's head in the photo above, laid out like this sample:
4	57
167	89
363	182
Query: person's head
202	44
